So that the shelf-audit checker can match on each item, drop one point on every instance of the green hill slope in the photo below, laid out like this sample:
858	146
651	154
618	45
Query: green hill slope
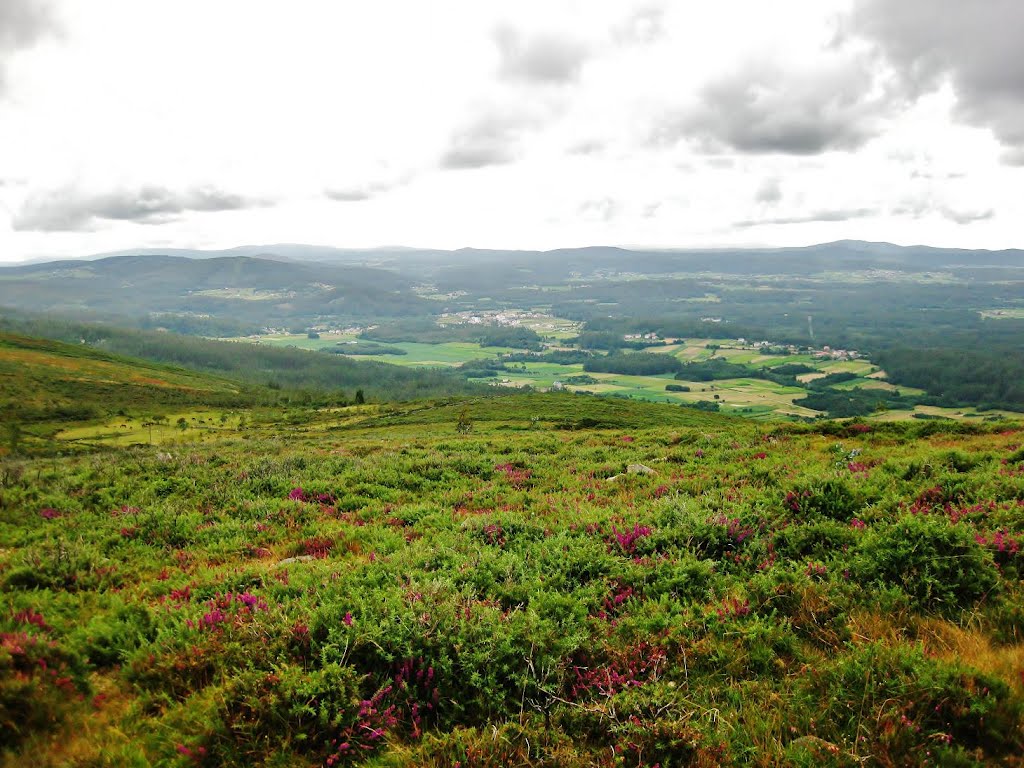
464	582
42	379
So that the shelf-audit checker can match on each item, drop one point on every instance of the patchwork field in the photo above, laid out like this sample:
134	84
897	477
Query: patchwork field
751	397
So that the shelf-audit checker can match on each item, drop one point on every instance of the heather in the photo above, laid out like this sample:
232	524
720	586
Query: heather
537	580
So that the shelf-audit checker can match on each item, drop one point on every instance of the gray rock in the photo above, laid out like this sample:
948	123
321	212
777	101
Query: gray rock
639	469
298	559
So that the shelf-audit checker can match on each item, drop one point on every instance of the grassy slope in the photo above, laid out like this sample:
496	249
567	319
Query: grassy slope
41	374
730	624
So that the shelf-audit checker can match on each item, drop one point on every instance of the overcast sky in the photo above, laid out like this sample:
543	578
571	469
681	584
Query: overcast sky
214	123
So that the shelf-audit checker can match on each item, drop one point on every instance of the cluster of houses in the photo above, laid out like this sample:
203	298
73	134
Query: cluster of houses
827	353
513	317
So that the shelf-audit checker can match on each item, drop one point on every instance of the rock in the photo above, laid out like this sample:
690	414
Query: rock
297	559
639	469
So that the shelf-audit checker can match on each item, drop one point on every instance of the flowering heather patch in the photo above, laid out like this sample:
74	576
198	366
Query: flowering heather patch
816	570
318	547
49	513
793	499
1003	546
29	616
733	608
736	530
494	534
403	704
228	608
627	540
634	666
516	476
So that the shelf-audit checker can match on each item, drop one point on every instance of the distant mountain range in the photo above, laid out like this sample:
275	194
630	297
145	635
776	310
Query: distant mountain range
246	292
241	290
396	254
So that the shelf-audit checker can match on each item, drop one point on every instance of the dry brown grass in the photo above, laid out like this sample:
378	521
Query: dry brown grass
952	643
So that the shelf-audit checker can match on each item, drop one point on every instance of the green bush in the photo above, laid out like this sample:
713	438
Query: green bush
829	498
937	564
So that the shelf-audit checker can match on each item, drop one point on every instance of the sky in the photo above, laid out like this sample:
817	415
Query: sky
533	124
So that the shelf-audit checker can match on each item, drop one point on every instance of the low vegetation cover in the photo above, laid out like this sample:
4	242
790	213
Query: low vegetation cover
536	580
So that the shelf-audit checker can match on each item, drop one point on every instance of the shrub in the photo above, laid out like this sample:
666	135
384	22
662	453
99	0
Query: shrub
939	565
822	498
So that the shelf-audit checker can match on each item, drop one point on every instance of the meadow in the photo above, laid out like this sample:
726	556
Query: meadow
525	580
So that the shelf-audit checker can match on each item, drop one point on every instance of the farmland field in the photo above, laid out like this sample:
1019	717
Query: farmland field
755	398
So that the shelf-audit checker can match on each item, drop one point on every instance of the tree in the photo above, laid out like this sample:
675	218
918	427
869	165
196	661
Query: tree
464	425
13	436
360	397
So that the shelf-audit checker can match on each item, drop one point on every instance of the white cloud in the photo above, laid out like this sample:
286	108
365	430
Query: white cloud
502	124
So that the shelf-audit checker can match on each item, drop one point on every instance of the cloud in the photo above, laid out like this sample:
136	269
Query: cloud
603	209
764	108
492	139
538	57
365	191
967	217
23	23
587	147
70	209
840	214
973	45
924	206
644	25
770	191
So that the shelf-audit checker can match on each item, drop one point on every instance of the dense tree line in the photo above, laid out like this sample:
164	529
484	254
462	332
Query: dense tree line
634	364
426	331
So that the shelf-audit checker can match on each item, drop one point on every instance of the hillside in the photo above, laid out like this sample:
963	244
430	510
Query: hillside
243	294
42	380
291	369
517	581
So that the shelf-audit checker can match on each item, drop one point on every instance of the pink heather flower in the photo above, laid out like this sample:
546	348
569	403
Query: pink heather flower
347	619
49	513
213	618
858	523
297	494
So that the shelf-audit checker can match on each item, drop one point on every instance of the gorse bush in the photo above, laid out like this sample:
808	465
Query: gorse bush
938	564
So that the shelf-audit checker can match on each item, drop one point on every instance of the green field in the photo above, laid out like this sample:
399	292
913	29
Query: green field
754	398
